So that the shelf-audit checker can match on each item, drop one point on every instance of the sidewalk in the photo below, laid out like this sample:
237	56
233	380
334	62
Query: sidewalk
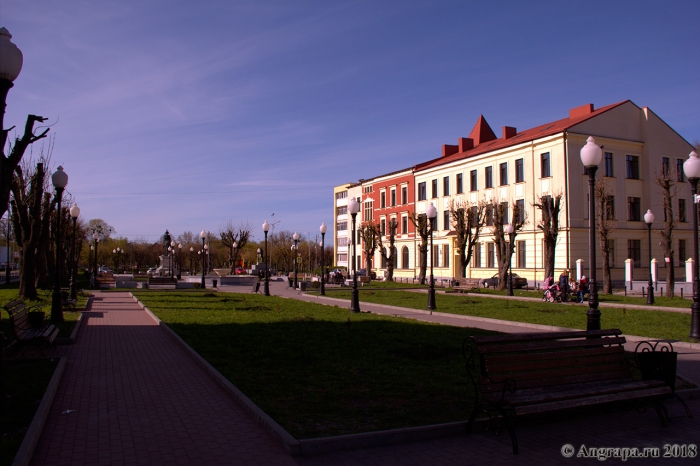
138	398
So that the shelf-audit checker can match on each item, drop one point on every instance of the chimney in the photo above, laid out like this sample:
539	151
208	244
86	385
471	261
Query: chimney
581	111
509	132
448	150
465	144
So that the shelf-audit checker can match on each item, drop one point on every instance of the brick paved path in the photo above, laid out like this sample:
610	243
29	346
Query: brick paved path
138	398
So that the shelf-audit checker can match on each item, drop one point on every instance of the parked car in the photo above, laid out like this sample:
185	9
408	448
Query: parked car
363	273
104	269
152	271
240	271
518	282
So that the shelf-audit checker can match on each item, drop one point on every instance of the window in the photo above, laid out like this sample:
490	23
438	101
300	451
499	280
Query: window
342	226
434	192
446	186
632	167
446	220
679	170
382	227
445	255
404	195
342	241
421	191
382	199
404	225
609	208
520	249
634	251
368	189
633	209
504	211
393	197
609	164
544	166
520	204
681	211
504	173
611	252
476	255
341	195
665	162
681	253
343	210
383	255
489	215
460	188
369	211
519	171
435	256
404	257
473	185
490	255
342	257
489	177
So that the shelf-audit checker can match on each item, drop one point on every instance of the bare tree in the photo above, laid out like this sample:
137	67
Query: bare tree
550	207
505	248
422	226
605	218
467	220
390	256
231	234
370	235
666	180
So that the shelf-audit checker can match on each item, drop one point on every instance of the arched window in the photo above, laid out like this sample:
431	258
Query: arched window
404	257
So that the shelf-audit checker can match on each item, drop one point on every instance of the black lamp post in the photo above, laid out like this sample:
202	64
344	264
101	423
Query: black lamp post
691	167
591	155
354	208
203	235
74	213
266	288
431	212
96	239
7	250
191	255
509	231
59	180
10	67
649	219
323	228
295	237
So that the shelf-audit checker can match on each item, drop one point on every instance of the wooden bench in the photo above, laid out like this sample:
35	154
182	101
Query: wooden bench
530	374
466	284
162	281
106	280
27	334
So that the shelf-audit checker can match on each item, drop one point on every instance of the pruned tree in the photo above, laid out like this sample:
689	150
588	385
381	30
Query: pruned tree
504	245
605	224
666	180
467	220
390	256
370	235
238	234
550	207
422	227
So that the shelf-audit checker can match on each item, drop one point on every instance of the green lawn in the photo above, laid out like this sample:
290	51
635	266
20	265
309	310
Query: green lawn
320	370
650	323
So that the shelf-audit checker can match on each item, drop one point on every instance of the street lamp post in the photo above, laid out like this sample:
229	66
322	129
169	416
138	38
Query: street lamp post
96	238
203	235
266	288
323	228
431	212
74	213
191	255
591	155
7	250
649	219
509	231
691	167
59	180
354	208
235	255
10	67
295	237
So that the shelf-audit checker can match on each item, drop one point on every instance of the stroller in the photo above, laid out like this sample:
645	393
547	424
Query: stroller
551	291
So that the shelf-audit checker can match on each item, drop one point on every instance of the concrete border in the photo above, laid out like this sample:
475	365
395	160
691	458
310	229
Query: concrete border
74	334
31	438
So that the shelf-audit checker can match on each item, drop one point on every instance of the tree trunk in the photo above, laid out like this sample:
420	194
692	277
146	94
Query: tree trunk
423	251
549	247
671	276
607	279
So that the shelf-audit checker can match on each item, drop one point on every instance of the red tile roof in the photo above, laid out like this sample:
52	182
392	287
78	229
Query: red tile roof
485	140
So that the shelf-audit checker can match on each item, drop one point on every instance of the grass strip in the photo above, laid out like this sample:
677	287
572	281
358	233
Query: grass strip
320	370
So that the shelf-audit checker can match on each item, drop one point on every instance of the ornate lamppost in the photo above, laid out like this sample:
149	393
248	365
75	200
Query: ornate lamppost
509	230
59	180
591	155
295	237
431	212
203	235
323	228
691	167
266	288
96	239
354	208
649	219
74	213
191	255
10	67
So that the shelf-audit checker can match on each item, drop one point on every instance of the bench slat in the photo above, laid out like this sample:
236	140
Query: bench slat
551	345
545	364
576	377
495	360
602	389
517	337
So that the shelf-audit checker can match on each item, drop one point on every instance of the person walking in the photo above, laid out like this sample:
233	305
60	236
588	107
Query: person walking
564	285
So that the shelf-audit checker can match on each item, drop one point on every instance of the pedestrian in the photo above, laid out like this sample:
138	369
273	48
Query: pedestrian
582	289
564	285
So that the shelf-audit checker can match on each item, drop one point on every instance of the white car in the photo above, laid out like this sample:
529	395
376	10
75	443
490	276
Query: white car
104	269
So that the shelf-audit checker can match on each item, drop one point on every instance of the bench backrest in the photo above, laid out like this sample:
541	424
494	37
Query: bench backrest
19	317
550	358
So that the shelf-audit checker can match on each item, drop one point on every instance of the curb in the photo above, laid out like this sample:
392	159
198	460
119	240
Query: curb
31	438
73	335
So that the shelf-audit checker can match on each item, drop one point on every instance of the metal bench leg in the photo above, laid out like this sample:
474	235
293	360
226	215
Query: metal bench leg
660	409
511	430
687	410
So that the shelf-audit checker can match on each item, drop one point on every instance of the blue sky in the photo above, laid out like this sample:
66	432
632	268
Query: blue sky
185	115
